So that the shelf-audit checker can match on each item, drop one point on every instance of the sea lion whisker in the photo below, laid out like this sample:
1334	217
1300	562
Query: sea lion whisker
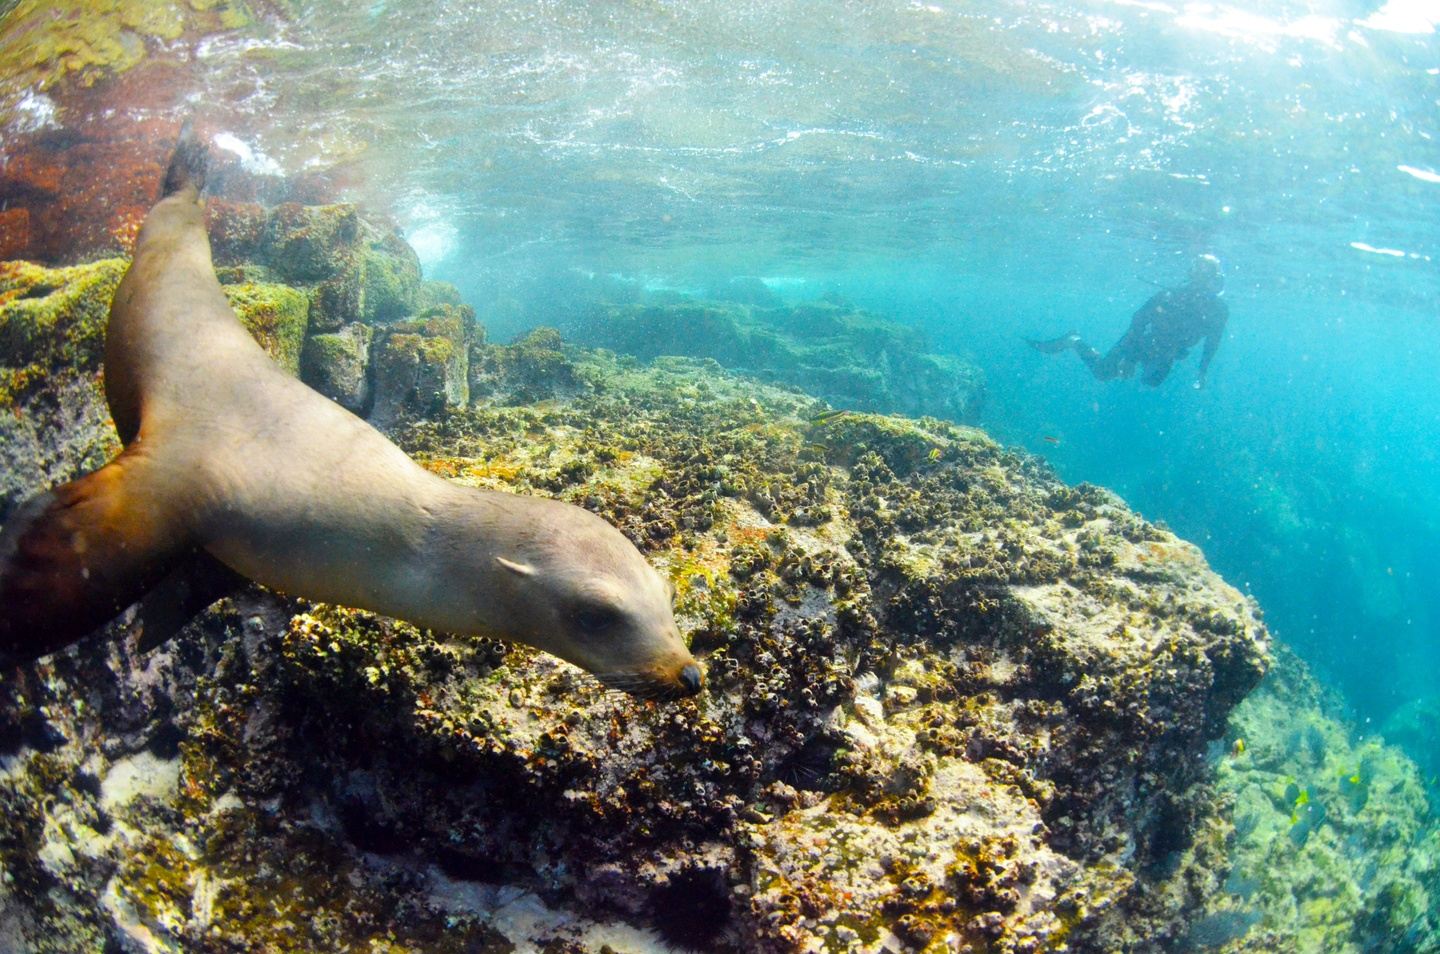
641	685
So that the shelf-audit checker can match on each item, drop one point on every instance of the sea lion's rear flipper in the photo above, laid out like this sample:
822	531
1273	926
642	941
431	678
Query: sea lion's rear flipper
197	581
73	557
188	163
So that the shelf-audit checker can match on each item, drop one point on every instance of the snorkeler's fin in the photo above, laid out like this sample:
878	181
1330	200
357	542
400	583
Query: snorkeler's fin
1065	342
197	581
73	557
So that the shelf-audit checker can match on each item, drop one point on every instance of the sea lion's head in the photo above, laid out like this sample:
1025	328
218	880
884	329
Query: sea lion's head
574	586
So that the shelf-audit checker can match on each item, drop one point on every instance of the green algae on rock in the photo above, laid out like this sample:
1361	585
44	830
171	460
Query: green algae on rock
1353	868
52	319
422	364
353	269
277	316
58	39
337	365
54	425
844	355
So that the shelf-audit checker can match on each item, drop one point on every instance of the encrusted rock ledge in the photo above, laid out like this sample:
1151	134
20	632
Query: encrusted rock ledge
953	703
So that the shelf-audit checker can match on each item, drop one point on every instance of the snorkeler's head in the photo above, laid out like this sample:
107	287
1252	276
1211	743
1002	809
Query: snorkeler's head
1205	274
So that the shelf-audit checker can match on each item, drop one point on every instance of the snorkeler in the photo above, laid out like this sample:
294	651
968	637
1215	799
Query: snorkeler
1162	332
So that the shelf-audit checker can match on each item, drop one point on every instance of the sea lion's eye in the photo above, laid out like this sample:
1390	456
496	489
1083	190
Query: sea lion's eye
596	619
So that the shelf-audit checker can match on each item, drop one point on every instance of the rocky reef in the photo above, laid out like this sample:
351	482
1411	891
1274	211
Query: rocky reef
1332	843
829	349
952	703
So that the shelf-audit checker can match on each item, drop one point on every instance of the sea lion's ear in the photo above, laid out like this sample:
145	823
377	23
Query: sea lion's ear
519	569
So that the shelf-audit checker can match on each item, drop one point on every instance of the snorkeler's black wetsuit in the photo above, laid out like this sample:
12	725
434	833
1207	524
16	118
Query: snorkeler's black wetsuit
1162	332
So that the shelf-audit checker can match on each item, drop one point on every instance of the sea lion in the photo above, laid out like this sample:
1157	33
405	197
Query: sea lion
227	457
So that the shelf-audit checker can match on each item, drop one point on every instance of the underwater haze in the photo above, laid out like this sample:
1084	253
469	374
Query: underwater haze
981	173
984	172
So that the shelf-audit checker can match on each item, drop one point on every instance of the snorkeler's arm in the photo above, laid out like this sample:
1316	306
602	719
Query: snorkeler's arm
1212	340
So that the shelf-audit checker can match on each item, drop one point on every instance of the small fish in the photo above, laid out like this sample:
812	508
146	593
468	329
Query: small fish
1050	439
828	416
934	453
1238	748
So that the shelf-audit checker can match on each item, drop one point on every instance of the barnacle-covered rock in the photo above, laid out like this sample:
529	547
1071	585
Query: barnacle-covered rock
952	704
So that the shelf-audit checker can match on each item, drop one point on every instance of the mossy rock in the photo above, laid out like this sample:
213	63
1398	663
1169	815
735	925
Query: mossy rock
851	358
352	269
339	300
277	317
337	365
422	364
391	272
534	368
306	244
432	293
52	318
245	275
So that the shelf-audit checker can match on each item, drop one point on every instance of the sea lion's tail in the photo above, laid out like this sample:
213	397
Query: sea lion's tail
188	163
73	557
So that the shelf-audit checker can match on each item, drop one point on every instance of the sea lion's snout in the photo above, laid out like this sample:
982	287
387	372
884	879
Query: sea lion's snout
663	684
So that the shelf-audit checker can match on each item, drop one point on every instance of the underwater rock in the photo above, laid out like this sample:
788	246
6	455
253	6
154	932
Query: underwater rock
277	316
534	368
392	277
354	269
952	703
422	364
337	365
848	357
1332	841
54	425
745	291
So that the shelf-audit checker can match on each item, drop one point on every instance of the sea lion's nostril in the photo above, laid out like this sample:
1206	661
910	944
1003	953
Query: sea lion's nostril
690	678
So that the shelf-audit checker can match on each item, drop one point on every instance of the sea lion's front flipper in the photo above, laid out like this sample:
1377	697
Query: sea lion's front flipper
197	581
75	556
